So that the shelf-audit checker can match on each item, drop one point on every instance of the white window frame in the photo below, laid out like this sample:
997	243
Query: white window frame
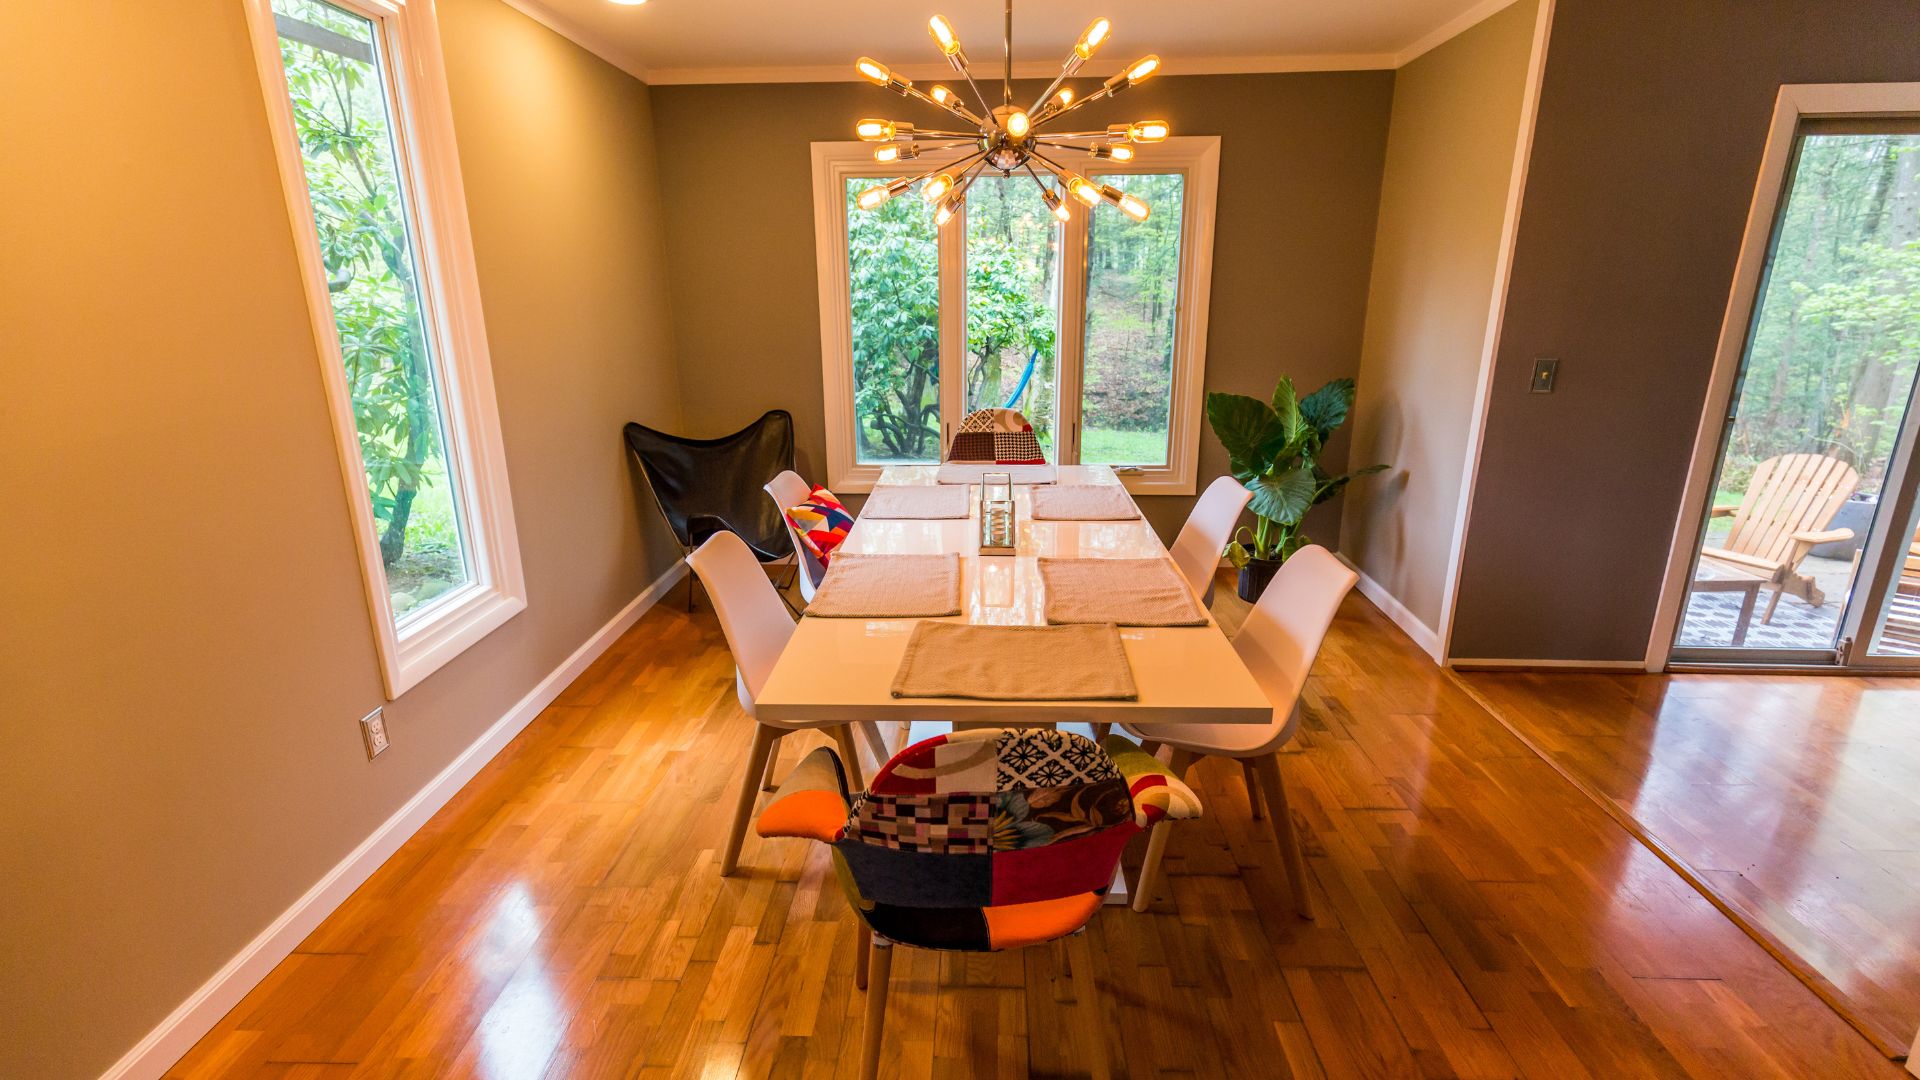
418	644
1196	157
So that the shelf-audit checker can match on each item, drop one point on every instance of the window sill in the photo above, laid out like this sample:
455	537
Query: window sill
443	632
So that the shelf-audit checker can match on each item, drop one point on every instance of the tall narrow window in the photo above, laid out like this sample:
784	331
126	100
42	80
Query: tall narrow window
1094	328
370	178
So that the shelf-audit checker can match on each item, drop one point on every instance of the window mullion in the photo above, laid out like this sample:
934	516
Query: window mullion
1071	370
953	325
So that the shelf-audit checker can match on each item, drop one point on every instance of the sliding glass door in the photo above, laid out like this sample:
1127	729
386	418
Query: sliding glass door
1803	555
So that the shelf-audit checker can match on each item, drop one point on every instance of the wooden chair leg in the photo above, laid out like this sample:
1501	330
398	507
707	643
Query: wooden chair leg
849	756
764	738
1253	789
1150	748
1772	602
862	952
881	968
773	765
1275	790
906	736
875	742
1157	841
1101	731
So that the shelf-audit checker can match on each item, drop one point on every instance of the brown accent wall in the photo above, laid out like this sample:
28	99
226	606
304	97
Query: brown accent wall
1653	117
1300	165
1450	157
184	643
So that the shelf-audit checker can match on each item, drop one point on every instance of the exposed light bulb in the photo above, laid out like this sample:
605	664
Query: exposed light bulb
1149	131
943	35
1018	124
876	130
1114	152
949	206
629	3
1091	38
1065	96
1055	204
1134	208
873	71
873	197
890	152
1083	189
1143	69
940	94
937	188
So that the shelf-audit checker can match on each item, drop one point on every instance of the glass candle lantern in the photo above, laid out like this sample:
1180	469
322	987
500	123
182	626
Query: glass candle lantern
996	514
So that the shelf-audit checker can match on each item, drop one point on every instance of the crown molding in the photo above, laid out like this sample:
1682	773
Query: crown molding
1209	65
605	48
1449	30
597	44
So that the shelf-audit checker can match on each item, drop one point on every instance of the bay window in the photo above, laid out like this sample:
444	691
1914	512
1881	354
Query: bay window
1094	328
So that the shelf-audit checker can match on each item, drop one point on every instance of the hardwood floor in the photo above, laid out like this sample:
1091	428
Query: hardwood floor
1795	799
1478	917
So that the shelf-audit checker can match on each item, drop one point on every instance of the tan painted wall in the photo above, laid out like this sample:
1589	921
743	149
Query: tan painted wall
1456	118
184	645
1653	119
1300	163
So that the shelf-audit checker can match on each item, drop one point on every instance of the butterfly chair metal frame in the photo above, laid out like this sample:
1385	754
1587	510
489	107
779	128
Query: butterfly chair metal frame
979	841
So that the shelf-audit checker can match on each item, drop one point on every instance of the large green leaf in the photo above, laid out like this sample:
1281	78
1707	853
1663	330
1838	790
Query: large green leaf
1326	408
1243	425
1286	406
1330	486
1284	497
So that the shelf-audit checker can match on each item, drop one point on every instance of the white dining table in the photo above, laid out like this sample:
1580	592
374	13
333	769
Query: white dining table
833	669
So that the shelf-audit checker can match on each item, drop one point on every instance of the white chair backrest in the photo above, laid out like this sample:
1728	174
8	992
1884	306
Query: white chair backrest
788	490
1196	551
755	621
1282	634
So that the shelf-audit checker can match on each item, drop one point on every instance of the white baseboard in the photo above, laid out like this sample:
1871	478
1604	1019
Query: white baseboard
153	1055
1466	664
1390	606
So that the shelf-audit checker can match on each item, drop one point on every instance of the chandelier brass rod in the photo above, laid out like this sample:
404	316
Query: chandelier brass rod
1067	68
979	95
1008	85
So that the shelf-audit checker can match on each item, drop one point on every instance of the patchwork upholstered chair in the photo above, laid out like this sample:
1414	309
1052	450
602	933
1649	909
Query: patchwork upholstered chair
996	437
976	841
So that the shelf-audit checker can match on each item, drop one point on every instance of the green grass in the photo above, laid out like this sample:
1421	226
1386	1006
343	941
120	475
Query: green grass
1101	446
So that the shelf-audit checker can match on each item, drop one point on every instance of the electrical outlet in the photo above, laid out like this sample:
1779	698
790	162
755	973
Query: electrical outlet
373	732
1545	370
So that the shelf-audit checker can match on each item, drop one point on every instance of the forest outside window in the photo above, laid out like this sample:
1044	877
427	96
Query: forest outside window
361	126
1095	329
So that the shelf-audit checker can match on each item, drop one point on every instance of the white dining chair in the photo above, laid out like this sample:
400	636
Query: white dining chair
1196	551
758	626
1278	643
789	490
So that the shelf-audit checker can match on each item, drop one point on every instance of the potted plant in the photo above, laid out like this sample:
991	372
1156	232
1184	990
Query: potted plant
1274	448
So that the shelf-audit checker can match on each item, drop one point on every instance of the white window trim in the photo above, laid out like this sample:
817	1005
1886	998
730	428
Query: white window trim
1197	157
1796	101
417	646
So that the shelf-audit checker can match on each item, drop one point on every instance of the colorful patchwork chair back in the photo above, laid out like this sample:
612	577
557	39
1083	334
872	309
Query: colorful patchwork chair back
981	840
996	437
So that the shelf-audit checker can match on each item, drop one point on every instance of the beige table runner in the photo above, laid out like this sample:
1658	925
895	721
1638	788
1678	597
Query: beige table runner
1015	663
917	502
1127	592
888	587
964	473
1083	502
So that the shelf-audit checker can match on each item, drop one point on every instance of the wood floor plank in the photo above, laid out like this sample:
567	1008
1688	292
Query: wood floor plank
563	916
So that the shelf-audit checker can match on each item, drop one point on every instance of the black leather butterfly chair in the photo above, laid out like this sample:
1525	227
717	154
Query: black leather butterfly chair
705	486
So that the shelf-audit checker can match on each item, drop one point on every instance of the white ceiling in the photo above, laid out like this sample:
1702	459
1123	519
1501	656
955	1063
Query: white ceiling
690	41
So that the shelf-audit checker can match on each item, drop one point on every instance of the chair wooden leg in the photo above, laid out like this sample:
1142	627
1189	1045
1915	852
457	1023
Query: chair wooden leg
1157	841
1101	731
767	782
764	738
906	736
1772	602
881	967
1275	790
1253	789
849	757
875	742
1150	748
862	952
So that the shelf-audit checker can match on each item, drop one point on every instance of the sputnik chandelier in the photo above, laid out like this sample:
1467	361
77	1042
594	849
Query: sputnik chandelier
1007	139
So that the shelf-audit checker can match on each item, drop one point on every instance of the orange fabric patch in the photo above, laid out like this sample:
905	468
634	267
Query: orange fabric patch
810	815
1015	926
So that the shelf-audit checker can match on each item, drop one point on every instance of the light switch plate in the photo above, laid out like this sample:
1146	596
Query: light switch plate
1545	370
373	731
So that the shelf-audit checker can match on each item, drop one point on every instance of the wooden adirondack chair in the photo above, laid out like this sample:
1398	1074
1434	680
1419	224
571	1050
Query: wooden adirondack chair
1784	515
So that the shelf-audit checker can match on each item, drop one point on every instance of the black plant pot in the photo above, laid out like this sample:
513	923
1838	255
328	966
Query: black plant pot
1254	577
